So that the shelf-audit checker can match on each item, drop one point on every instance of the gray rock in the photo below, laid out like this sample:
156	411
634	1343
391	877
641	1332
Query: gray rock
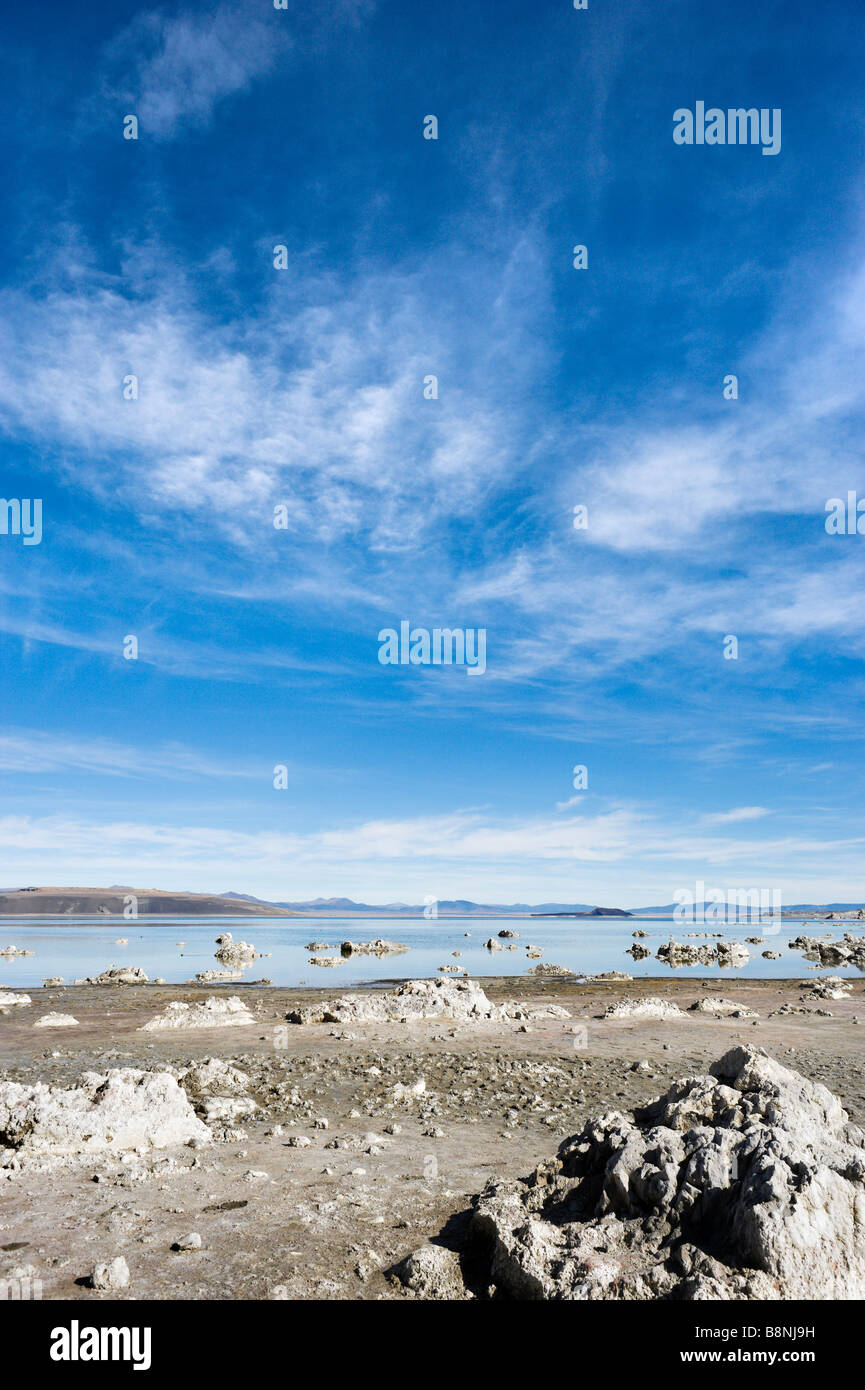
433	1272
746	1183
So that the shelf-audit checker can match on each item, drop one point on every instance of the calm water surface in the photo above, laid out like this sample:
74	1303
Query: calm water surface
87	945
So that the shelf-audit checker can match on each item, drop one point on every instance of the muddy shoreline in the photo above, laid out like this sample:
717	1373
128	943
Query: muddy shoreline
329	1218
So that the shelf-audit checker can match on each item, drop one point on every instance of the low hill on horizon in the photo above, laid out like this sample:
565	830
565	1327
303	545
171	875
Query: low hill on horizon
110	902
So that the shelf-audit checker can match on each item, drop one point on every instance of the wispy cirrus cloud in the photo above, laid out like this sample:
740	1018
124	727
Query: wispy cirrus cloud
318	403
35	751
740	813
173	70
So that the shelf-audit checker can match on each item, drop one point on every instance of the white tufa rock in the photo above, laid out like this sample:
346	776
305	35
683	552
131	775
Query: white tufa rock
832	987
116	975
213	1076
111	1113
56	1021
10	1000
650	1007
458	999
235	953
207	977
112	1276
192	1241
214	1012
747	1183
722	1008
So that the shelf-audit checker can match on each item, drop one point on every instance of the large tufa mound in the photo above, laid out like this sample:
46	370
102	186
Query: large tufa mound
122	1111
748	1183
234	954
457	999
116	975
650	1007
849	951
214	1012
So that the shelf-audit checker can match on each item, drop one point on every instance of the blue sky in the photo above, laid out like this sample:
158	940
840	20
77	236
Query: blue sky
557	387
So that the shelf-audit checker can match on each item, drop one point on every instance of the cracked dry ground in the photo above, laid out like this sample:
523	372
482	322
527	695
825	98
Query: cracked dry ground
330	1219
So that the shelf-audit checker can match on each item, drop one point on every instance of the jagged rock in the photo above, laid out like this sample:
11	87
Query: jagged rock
650	1007
547	968
849	951
209	977
732	954
830	988
117	975
638	952
771	955
505	933
726	954
723	1008
213	1076
318	946
214	1012
110	1112
11	951
677	953
225	1108
235	953
56	1021
433	1272
616	976
789	1009
458	999
327	961
51	980
747	1183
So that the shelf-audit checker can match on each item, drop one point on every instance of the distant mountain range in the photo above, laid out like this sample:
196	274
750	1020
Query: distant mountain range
462	907
111	902
446	907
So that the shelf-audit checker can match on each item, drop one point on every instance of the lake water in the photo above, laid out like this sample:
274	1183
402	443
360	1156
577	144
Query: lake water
87	945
